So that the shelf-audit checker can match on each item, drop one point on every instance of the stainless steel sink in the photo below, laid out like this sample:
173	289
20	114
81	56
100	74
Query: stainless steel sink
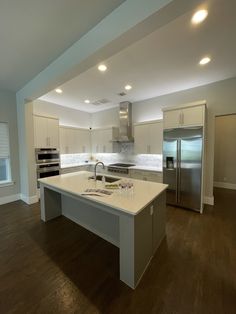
108	179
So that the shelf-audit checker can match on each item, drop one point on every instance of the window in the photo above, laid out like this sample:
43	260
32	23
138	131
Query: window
5	169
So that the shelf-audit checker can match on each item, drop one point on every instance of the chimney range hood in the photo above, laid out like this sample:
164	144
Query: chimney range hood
125	118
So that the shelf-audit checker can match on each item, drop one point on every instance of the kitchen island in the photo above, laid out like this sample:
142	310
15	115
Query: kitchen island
133	220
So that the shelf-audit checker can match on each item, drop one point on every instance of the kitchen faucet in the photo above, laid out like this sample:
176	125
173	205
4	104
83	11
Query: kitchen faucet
95	168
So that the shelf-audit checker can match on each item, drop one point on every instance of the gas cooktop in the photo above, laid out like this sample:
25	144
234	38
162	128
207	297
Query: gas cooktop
121	165
119	168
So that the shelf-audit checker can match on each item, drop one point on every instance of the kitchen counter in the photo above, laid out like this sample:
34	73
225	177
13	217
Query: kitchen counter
132	203
133	221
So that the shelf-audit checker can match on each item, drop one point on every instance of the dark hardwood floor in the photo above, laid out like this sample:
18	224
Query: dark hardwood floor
59	267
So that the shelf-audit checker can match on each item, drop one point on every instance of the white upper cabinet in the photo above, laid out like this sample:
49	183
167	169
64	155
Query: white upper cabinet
148	137
184	117
102	140
74	140
46	132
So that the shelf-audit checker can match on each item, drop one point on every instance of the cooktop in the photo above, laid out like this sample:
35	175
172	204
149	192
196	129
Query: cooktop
122	165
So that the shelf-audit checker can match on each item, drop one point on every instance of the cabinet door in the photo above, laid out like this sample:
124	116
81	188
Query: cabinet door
172	119
141	139
159	220
71	141
95	141
155	137
40	132
105	141
63	143
53	132
85	141
193	116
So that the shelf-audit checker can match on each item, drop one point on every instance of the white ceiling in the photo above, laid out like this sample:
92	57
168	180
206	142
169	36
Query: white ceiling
33	33
163	62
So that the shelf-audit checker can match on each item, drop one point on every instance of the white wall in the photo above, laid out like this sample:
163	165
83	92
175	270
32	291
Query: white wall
221	99
105	118
8	114
67	116
225	151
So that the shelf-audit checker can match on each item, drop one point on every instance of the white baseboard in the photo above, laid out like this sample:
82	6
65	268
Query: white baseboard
9	199
29	199
209	200
225	185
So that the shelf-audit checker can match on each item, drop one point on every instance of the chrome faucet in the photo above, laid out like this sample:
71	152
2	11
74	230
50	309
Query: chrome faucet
95	168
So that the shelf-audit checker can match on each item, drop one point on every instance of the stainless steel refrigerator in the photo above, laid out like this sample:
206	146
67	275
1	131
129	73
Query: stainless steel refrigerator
182	166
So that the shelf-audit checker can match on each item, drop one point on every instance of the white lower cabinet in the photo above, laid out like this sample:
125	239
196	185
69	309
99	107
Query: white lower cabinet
146	175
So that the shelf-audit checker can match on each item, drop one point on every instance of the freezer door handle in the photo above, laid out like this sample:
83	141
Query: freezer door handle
178	171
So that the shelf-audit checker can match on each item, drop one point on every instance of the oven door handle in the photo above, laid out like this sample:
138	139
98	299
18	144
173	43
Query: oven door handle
48	169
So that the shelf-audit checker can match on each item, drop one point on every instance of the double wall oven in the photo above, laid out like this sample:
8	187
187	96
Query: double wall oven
47	162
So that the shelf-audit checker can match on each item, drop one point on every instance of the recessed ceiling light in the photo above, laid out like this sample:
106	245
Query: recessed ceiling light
87	101
199	16
58	90
102	67
128	87
204	60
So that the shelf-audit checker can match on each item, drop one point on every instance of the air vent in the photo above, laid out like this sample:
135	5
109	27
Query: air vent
99	102
121	94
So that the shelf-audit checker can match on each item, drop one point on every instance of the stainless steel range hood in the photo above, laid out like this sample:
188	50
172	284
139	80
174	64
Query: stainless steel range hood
125	115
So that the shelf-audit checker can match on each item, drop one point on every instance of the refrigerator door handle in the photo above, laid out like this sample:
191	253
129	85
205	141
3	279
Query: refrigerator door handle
177	173
178	170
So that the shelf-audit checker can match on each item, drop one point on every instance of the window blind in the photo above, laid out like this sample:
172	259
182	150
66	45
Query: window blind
4	140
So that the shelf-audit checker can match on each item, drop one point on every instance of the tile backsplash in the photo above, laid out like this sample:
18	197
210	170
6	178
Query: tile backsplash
73	159
126	155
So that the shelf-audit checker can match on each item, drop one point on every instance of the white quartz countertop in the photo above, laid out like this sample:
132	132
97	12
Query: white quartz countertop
130	202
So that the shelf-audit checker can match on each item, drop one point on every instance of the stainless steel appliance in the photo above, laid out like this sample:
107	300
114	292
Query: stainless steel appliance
182	166
47	162
120	168
47	170
46	155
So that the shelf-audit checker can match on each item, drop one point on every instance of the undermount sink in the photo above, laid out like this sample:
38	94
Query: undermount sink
108	179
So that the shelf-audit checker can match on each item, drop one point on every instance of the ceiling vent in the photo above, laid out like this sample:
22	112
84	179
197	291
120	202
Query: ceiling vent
100	102
121	94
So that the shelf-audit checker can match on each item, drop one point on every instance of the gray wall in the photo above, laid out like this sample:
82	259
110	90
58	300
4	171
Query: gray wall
8	114
105	118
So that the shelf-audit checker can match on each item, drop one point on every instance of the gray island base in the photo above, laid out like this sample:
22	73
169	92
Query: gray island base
134	222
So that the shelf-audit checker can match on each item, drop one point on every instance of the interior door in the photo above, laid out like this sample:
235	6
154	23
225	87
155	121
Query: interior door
170	166
190	172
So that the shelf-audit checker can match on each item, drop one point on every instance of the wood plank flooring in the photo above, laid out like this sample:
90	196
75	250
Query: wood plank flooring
59	267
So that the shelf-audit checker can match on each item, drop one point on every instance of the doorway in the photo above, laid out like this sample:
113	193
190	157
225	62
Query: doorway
225	152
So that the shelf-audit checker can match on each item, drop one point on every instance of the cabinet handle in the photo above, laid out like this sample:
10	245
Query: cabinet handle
182	118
